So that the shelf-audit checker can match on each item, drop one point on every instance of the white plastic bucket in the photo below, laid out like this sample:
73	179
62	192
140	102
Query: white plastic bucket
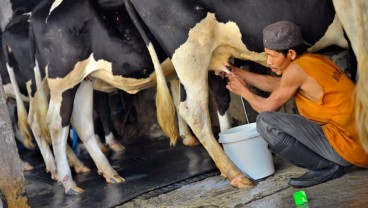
248	150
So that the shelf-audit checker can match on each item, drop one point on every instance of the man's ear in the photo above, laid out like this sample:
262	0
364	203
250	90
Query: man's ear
292	54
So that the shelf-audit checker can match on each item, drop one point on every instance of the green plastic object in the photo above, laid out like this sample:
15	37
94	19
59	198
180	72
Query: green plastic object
300	198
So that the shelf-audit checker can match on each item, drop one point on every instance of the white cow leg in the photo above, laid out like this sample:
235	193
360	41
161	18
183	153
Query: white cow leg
59	136
102	146
83	123
47	156
184	131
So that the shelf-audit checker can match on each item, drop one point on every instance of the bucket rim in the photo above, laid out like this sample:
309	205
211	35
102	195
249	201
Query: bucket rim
232	140
250	133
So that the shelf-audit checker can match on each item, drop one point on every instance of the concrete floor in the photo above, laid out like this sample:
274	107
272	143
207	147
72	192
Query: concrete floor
348	191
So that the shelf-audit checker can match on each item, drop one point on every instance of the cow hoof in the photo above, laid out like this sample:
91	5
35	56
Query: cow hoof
223	175
117	147
74	191
190	141
116	179
26	166
54	175
241	182
81	169
104	148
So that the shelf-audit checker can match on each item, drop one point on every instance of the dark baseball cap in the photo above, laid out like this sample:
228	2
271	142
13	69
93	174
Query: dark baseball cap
282	35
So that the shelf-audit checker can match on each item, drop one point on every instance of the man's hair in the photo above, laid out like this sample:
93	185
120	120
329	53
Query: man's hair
299	49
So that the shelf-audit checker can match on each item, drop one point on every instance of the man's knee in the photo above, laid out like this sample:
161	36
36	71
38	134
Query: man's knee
263	120
265	128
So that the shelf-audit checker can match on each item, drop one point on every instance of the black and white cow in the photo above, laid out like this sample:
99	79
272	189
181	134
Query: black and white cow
201	35
27	85
19	53
9	95
76	39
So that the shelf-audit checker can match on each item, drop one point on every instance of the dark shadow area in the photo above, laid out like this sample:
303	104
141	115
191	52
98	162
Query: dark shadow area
147	165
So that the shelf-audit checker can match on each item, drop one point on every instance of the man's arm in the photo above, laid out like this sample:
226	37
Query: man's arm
265	83
290	82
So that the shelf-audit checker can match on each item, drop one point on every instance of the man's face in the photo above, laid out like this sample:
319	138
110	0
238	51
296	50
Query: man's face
277	61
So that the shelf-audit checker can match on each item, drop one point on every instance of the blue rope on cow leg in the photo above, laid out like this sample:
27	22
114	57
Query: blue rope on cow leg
75	141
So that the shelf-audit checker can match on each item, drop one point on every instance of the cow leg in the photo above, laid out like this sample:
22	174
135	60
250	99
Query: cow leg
38	105
102	107
43	146
222	99
21	110
82	122
102	146
46	152
184	130
194	108
195	111
58	117
59	139
74	162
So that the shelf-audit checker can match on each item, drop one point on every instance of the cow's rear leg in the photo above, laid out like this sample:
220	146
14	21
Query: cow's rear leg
82	122
102	107
184	131
58	117
102	146
36	120
46	153
194	109
74	162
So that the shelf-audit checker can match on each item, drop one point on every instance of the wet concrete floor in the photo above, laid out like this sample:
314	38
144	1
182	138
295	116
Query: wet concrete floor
351	190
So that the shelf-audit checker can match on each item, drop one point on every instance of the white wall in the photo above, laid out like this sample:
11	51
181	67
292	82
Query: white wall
5	12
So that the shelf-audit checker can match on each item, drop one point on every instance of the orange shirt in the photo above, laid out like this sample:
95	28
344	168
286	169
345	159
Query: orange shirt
334	111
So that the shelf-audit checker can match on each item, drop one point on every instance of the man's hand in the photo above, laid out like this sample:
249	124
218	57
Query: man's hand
225	72
236	85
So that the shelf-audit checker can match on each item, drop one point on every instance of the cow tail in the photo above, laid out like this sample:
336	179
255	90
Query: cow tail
21	110
166	115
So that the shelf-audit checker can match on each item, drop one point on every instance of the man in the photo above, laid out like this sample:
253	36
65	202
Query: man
323	138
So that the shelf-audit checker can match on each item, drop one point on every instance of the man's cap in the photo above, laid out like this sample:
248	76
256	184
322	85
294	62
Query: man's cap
282	35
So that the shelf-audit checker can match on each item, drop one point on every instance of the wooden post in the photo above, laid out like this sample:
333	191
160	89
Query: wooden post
12	184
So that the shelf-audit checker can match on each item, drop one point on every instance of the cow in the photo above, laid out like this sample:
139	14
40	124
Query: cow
23	76
83	39
353	16
202	35
19	52
9	96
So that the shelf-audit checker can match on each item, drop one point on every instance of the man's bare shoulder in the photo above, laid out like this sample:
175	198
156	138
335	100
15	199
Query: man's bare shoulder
294	74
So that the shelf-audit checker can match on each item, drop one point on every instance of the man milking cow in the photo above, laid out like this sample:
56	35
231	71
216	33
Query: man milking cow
323	138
